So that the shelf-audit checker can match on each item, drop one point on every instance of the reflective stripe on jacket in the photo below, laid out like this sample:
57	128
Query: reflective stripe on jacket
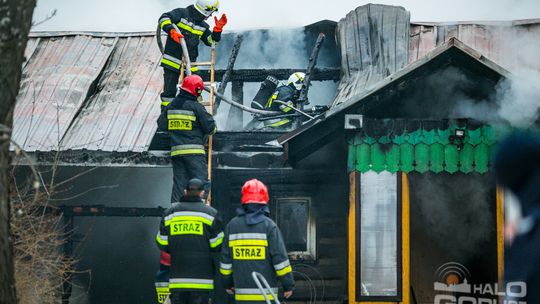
247	248
192	25
187	123
285	94
192	233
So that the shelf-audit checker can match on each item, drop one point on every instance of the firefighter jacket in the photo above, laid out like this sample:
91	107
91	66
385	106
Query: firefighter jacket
192	233
254	247
286	94
192	25
188	123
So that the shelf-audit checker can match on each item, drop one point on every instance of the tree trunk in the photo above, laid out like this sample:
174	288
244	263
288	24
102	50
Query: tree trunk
15	22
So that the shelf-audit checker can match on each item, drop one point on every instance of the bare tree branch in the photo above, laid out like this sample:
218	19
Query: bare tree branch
47	18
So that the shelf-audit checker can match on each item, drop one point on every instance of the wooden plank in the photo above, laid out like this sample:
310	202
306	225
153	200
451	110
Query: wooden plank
235	117
259	75
351	277
500	233
229	69
405	240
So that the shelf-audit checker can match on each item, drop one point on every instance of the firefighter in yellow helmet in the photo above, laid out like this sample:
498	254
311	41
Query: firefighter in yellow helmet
288	96
253	242
192	26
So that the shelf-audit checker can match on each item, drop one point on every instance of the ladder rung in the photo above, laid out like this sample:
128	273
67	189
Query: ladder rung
202	63
205	103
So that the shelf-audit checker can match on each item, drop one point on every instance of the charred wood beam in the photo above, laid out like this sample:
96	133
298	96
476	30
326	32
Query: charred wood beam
100	210
228	71
259	75
235	118
309	71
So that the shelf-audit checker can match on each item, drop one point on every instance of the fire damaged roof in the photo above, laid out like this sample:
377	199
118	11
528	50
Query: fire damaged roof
99	92
408	93
83	91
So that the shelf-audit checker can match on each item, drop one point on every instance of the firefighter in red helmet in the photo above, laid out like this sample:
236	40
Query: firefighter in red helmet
188	124
253	242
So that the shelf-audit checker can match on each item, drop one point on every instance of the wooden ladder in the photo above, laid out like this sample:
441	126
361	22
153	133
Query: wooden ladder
209	103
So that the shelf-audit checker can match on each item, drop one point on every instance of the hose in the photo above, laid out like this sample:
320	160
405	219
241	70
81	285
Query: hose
241	106
158	39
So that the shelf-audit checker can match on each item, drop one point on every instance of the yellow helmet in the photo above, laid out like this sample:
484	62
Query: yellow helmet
297	79
207	7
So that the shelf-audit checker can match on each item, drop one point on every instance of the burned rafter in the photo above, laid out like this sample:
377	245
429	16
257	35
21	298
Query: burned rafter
101	210
310	69
259	75
229	70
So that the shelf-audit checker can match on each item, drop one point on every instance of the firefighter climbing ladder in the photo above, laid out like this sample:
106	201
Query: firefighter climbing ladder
186	69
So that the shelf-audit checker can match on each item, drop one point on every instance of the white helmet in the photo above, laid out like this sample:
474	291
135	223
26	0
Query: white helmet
207	7
297	79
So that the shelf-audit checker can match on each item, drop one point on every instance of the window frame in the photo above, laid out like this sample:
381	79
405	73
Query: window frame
399	246
311	246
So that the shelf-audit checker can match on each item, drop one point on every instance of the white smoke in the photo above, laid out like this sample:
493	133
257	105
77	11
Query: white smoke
259	51
517	98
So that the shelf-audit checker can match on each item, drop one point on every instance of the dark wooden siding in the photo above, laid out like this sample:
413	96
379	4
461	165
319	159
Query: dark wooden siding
324	277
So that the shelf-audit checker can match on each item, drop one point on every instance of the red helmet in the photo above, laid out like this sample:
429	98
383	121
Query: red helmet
254	191
193	84
165	258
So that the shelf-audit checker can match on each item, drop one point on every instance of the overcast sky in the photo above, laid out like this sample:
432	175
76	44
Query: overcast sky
142	15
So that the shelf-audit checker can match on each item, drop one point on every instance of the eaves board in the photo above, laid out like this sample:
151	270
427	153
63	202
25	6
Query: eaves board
121	116
422	146
308	136
54	86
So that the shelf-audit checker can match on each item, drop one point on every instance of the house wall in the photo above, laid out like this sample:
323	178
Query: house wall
443	220
321	177
328	201
454	221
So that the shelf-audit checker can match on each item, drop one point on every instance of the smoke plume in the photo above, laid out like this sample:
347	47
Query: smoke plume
517	98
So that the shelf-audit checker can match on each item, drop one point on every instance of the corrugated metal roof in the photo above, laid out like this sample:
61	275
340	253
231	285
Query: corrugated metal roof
55	83
100	91
500	42
122	115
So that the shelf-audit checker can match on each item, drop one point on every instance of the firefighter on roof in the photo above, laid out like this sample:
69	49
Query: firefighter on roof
253	242
188	124
284	99
191	232
191	23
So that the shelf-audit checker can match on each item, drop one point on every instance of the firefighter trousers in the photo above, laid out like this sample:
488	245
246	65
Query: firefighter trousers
190	297
185	168
170	81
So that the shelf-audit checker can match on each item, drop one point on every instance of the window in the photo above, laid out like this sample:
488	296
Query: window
297	227
379	259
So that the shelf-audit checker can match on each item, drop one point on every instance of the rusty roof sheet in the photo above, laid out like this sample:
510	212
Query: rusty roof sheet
100	91
121	116
498	41
56	81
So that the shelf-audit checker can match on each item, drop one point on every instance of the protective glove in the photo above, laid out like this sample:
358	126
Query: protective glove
218	28
176	36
